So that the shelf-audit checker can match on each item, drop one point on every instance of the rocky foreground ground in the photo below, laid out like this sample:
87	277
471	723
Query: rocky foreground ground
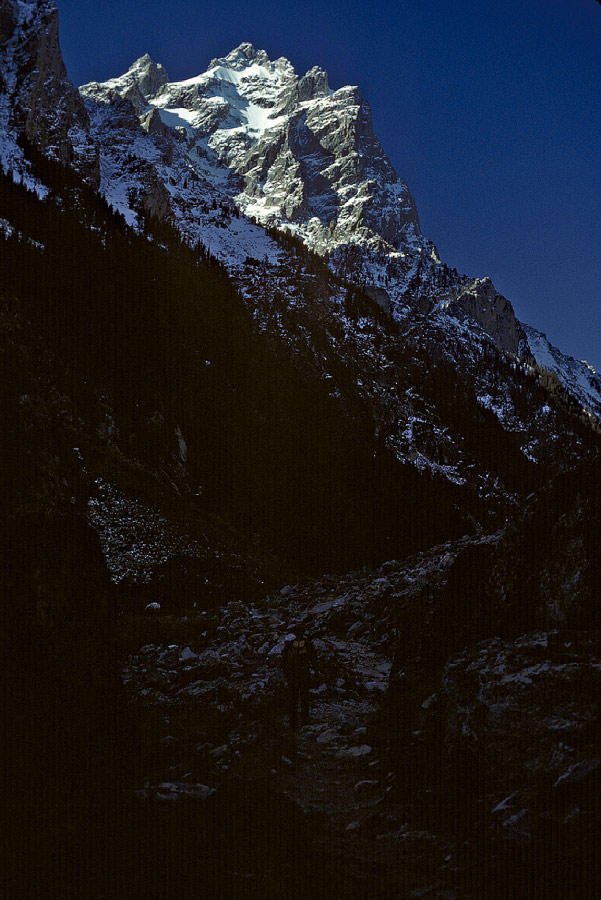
473	775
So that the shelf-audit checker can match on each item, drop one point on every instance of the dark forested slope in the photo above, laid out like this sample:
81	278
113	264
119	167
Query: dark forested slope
124	347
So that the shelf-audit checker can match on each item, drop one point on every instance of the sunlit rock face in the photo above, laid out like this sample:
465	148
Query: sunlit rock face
292	150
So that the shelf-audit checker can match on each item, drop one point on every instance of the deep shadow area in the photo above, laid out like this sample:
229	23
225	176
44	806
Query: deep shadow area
150	341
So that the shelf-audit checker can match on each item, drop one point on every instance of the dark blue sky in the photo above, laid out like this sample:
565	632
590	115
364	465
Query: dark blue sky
490	111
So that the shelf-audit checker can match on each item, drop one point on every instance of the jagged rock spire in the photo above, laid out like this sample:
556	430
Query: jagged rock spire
43	102
149	75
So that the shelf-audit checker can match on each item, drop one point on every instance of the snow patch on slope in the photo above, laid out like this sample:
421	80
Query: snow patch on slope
578	377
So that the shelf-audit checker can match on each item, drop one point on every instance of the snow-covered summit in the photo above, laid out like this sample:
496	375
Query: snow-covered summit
143	79
292	151
246	55
580	378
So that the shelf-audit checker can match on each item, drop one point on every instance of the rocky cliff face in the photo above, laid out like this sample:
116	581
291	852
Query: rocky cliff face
494	313
37	98
291	150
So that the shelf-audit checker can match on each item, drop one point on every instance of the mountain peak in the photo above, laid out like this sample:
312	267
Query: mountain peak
293	151
245	49
149	75
313	84
240	57
246	55
143	80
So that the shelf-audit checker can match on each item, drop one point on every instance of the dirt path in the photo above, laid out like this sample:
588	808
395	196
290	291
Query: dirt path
328	768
